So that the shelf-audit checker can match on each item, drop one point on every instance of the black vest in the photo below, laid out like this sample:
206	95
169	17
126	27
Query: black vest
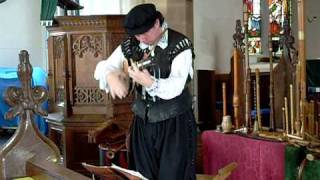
161	109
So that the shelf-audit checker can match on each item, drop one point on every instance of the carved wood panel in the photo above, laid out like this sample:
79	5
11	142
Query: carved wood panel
87	51
76	45
89	95
57	73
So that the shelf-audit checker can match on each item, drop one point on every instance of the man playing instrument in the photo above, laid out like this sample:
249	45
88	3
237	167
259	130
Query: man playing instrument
163	134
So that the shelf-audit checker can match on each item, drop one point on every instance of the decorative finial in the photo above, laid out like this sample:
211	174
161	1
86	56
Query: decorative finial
287	40
26	97
238	36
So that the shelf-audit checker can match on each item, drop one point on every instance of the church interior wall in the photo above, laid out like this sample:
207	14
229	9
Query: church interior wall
20	29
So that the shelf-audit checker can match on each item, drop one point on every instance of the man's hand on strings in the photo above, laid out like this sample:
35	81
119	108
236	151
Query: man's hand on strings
118	83
141	77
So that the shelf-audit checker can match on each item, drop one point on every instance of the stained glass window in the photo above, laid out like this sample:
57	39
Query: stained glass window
278	11
254	26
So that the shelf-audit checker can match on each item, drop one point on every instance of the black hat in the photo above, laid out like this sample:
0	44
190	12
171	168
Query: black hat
140	19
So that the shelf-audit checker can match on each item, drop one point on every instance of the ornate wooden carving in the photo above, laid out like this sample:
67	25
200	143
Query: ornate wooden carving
238	74
89	96
238	36
87	43
57	76
27	142
76	45
286	43
59	46
100	21
88	22
79	105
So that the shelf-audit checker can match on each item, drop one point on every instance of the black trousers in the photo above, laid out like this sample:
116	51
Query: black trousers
164	150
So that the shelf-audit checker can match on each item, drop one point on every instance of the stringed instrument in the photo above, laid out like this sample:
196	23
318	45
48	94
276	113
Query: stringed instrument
142	64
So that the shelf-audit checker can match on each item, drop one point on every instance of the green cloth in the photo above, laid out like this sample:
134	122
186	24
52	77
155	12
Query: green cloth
293	158
48	8
312	170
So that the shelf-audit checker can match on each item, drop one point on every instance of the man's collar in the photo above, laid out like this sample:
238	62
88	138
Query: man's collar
163	42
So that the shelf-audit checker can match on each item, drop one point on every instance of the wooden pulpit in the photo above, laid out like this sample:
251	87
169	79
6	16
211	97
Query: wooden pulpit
76	104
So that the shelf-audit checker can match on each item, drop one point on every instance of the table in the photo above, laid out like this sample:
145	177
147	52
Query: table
257	159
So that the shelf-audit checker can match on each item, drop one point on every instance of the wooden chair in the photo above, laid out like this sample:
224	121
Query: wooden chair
28	152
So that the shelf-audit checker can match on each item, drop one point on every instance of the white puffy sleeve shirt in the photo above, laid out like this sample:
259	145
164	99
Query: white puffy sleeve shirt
164	88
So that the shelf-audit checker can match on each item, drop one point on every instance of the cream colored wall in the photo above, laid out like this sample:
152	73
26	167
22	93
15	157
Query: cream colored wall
312	29
20	29
214	22
178	13
209	22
